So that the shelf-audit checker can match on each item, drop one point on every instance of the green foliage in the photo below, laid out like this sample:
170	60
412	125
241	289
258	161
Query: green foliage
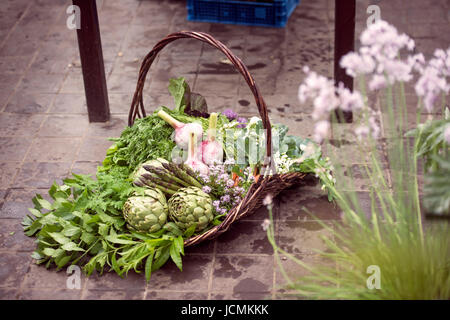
149	138
437	187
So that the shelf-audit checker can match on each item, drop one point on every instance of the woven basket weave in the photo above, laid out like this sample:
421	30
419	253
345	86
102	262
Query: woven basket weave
271	184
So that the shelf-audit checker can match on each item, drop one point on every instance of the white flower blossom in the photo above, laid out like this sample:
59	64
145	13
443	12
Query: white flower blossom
321	130
266	224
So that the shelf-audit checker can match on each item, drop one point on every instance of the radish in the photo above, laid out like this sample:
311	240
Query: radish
182	130
212	151
192	161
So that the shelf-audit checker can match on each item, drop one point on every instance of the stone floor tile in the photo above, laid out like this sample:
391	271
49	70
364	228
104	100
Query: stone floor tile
241	296
9	293
40	277
41	83
14	124
13	267
120	102
50	294
295	271
110	129
29	103
9	171
64	126
12	237
41	174
130	294
69	103
239	274
73	83
194	277
14	64
300	204
205	248
17	202
86	167
244	237
176	295
109	281
13	148
53	149
93	149
9	81
215	84
302	237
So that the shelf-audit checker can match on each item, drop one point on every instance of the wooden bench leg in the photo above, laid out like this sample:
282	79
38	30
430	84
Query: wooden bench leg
91	55
344	42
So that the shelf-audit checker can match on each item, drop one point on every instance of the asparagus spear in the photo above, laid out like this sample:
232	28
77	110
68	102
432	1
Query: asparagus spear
163	189
166	175
182	174
163	183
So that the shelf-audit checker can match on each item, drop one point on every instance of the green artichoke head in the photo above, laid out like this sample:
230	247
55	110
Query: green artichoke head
191	206
147	213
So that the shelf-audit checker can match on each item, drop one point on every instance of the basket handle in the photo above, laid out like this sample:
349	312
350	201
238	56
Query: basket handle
137	105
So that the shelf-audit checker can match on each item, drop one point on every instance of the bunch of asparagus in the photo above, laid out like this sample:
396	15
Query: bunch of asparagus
165	176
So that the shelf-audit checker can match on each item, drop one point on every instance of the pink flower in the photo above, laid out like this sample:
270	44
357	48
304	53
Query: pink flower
321	130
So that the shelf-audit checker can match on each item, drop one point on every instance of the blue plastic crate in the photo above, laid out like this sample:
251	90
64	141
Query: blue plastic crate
268	14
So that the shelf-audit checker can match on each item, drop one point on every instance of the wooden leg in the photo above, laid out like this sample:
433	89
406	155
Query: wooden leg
344	42
91	55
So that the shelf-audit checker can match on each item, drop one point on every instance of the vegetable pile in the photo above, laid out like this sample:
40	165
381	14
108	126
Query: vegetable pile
163	181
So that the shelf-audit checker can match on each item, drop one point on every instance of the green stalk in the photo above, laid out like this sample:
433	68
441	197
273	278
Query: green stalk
165	190
169	119
181	174
166	175
162	183
212	126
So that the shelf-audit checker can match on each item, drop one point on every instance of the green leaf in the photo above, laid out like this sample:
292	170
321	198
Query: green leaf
114	263
45	204
161	257
72	246
35	212
103	229
180	90
179	244
71	231
190	231
148	266
175	255
117	240
61	262
173	228
88	238
58	237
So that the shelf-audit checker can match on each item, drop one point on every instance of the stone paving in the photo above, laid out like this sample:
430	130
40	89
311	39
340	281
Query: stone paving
45	133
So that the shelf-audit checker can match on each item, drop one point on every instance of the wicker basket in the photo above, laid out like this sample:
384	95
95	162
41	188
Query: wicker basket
271	184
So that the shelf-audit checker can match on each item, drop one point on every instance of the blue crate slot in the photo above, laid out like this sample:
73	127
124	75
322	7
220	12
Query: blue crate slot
269	14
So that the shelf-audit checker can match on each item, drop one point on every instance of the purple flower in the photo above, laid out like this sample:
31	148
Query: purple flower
242	122
223	211
216	203
230	183
206	189
225	198
230	114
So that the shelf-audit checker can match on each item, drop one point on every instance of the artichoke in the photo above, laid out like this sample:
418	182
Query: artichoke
146	213
191	206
